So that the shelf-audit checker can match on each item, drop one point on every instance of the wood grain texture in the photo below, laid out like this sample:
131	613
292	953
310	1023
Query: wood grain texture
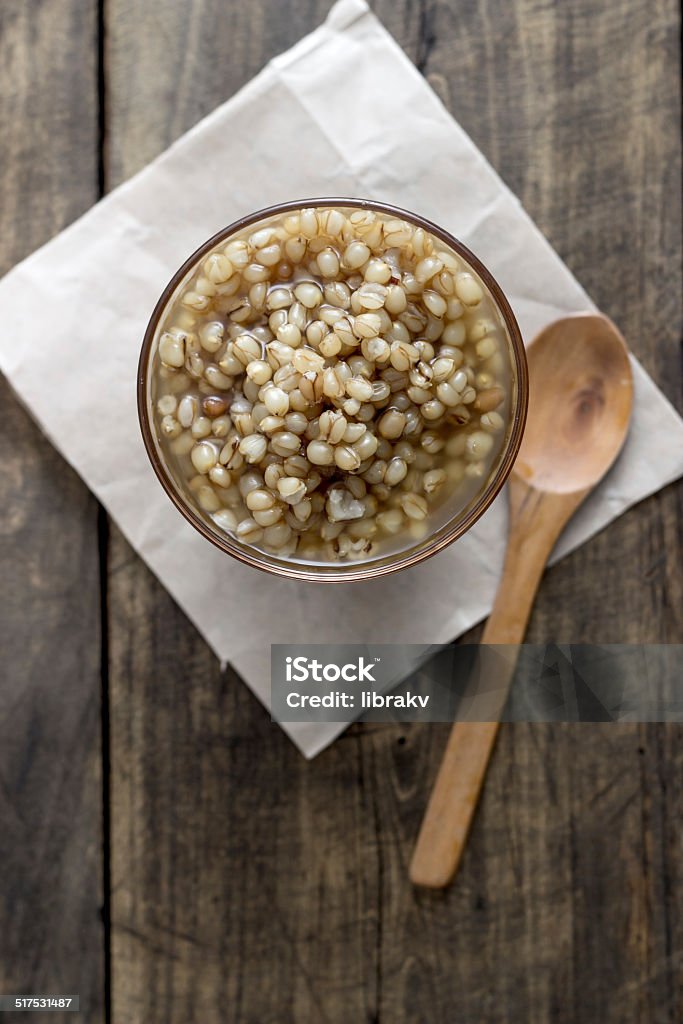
251	886
51	935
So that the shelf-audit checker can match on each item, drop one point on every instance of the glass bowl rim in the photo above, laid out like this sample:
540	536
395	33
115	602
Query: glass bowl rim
351	571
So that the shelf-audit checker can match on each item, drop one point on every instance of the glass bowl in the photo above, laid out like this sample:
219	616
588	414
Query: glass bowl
445	527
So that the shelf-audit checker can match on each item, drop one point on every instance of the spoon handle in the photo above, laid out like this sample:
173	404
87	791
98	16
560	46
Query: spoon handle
536	520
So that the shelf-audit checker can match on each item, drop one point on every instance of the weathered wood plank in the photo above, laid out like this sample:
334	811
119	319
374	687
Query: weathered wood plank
51	939
250	885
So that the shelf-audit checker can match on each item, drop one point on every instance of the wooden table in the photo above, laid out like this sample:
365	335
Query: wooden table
164	850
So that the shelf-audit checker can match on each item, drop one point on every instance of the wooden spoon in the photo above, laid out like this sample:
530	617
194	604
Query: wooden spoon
580	397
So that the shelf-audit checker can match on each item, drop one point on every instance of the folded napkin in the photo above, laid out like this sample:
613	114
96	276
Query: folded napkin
303	127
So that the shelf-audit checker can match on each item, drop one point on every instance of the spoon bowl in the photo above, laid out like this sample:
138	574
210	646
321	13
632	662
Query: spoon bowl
581	392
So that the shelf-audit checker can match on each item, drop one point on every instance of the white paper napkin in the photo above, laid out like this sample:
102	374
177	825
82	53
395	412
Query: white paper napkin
344	112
